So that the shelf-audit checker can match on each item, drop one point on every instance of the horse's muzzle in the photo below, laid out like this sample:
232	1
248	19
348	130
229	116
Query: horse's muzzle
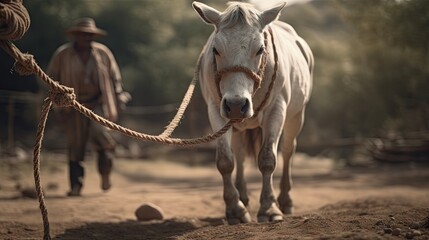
236	108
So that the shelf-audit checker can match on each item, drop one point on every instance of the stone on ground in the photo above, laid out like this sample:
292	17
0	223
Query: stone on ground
149	211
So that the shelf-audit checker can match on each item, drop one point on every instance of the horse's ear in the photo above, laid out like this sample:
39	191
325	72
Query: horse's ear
271	14
207	13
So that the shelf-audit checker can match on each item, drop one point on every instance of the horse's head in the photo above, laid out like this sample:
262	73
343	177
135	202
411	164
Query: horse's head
239	53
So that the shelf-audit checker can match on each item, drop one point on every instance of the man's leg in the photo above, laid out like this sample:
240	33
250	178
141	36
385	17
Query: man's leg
105	146
105	164
76	174
77	137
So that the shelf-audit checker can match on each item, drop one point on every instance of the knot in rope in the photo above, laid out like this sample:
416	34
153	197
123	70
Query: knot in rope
14	20
62	99
25	68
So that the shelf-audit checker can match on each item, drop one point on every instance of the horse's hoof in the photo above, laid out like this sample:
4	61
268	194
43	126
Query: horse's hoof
233	221
263	219
244	219
287	210
277	218
285	204
270	214
273	218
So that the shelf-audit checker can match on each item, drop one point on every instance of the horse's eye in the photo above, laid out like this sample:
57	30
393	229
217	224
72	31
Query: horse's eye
260	51
215	51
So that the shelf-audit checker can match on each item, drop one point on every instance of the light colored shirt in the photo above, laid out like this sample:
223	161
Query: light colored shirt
97	81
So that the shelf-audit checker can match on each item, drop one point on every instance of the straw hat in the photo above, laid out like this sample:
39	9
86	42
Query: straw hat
86	25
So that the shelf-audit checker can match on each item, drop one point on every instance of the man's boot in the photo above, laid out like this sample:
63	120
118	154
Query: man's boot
105	163
76	173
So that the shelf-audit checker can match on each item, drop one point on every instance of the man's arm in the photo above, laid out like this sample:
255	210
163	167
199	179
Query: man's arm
123	97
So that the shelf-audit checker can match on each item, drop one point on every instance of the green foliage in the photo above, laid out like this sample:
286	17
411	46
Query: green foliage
372	66
372	56
390	63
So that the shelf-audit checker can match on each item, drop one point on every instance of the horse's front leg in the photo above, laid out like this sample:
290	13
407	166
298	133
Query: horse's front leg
292	127
239	146
235	210
267	161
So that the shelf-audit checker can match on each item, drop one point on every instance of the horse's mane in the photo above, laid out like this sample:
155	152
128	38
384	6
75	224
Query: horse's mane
239	13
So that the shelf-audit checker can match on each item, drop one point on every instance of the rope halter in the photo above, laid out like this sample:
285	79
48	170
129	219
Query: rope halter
257	77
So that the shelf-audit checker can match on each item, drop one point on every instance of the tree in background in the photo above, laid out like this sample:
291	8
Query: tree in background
372	66
388	85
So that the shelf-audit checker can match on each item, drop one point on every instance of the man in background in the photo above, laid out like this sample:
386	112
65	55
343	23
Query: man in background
91	69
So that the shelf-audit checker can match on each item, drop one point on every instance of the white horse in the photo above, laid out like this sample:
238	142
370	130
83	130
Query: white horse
256	71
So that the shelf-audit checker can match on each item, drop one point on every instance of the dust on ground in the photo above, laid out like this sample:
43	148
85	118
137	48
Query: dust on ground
331	201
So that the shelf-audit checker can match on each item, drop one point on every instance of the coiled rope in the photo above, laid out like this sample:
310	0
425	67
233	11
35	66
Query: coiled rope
14	19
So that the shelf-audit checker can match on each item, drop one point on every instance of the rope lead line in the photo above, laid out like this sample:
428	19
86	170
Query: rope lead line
62	96
47	104
186	99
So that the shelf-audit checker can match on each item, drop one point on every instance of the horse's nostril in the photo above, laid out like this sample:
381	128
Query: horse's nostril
236	108
226	108
245	106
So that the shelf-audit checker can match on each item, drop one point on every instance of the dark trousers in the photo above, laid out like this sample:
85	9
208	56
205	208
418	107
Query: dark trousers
81	130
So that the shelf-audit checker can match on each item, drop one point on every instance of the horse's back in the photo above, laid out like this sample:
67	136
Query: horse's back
300	64
299	42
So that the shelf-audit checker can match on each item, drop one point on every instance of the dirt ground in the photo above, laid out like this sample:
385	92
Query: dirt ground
331	201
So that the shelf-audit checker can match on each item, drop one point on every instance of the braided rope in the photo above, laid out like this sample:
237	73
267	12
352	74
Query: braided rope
14	19
131	133
47	104
186	99
273	77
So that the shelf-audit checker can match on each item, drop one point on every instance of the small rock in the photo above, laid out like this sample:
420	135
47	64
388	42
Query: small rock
392	218
396	232
416	233
149	211
388	230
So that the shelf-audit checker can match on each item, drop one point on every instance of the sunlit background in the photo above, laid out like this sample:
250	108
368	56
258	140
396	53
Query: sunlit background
371	75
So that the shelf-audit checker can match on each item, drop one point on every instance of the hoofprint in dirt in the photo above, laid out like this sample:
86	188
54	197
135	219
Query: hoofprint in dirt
330	202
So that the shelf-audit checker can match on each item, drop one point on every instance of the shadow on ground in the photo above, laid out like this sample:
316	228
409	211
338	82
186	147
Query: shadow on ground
168	229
